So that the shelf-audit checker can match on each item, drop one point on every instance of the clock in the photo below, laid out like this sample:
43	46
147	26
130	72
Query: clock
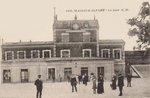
75	26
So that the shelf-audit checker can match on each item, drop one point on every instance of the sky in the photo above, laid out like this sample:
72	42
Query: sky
27	20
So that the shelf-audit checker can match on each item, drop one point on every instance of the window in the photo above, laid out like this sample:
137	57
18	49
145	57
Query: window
65	53
65	37
86	53
24	75
9	55
6	76
105	53
46	53
117	53
35	53
86	37
21	54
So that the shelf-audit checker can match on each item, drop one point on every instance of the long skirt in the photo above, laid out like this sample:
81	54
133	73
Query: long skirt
100	88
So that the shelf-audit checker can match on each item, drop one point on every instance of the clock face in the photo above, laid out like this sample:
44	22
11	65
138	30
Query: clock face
75	26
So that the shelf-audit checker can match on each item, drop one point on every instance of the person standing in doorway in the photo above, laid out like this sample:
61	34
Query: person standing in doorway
129	77
120	83
73	82
39	86
100	88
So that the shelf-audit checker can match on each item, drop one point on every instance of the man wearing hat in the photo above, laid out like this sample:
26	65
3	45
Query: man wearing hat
120	83
39	86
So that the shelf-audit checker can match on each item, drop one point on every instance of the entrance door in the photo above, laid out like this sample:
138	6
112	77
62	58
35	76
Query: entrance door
67	71
24	75
100	70
84	70
6	76
51	72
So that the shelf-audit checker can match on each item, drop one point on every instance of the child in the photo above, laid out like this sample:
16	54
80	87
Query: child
94	85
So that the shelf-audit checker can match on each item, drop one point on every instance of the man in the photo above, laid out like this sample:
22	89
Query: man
129	76
73	83
120	83
39	86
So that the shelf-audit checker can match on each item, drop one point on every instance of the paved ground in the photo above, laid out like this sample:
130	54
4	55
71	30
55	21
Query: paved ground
140	89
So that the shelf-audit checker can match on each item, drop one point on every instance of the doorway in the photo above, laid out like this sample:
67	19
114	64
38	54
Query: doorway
84	70
100	70
67	72
51	73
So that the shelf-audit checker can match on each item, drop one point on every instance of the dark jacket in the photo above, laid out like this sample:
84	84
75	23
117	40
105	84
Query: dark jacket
129	77
39	84
85	79
73	81
120	81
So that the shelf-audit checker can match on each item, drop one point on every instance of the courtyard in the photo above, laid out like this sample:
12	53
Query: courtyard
140	89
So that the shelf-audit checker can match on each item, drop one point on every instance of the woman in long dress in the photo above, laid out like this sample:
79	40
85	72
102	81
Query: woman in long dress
100	88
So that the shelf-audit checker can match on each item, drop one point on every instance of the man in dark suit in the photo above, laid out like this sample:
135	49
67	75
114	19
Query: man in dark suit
120	83
39	86
73	82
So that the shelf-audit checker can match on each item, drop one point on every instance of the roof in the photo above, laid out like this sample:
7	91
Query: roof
68	23
29	43
111	41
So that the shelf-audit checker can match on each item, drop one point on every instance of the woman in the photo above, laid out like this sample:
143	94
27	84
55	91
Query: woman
113	82
100	88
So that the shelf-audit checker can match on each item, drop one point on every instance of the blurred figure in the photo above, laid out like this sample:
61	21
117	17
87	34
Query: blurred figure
85	79
60	78
79	78
39	86
94	87
120	83
129	77
68	77
73	83
113	85
100	88
53	77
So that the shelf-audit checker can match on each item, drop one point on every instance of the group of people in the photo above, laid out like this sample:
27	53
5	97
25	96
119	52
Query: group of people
99	85
120	82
